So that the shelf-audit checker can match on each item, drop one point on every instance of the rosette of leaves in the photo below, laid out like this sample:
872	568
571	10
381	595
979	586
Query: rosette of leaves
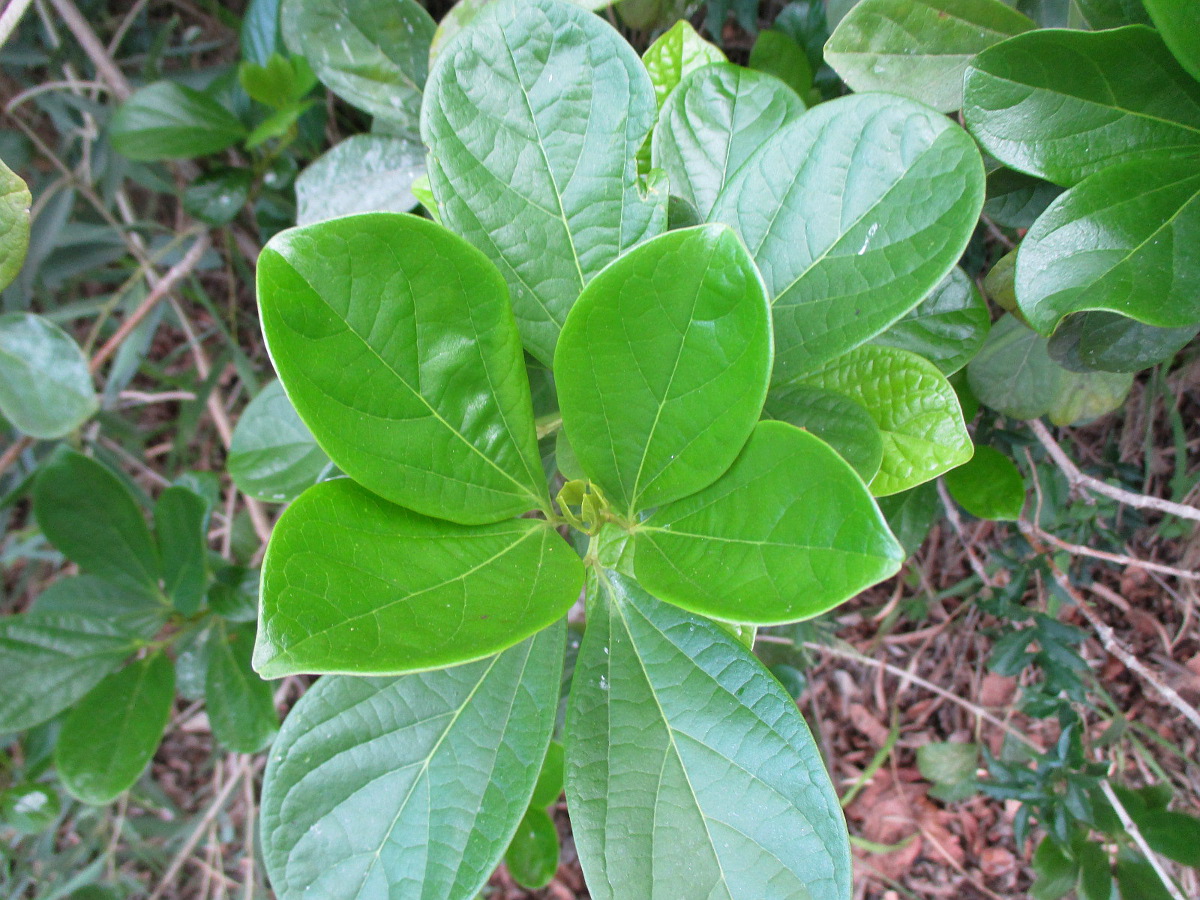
666	480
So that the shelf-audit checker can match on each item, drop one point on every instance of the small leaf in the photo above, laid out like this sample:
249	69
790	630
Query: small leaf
15	201
45	386
532	857
29	808
166	120
86	512
1176	23
423	778
181	523
947	328
918	48
842	423
217	197
410	374
988	486
910	514
1015	200
241	706
133	612
947	762
364	173
279	82
352	584
677	737
662	366
677	52
777	54
550	782
273	456
109	738
787	533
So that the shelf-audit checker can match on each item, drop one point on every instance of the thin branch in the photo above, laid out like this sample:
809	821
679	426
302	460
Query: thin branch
95	50
11	17
13	453
956	523
1132	830
1030	528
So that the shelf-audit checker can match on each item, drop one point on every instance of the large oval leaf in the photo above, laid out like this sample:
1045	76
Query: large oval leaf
663	365
1126	240
533	119
1062	105
396	344
364	173
918	48
385	787
947	328
273	455
677	737
354	585
710	125
787	533
854	212
45	386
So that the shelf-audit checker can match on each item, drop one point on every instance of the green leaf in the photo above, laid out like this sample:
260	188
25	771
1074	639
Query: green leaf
260	35
45	386
29	808
1172	834
1101	14
166	120
777	54
550	782
279	82
677	737
273	456
1119	241
241	706
1015	200
662	366
842	423
181	522
988	486
1080	397
1176	23
1063	105
364	173
854	213
217	197
678	51
918	48
1110	342
710	125
15	201
410	374
532	857
86	512
1056	872
109	738
539	170
372	54
914	407
354	585
1095	872
463	13
412	786
910	514
1136	878
787	533
947	762
947	328
133	612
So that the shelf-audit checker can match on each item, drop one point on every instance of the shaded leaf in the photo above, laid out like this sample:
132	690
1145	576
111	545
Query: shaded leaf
1176	23
1111	342
135	612
217	197
988	486
240	705
947	328
29	808
910	514
532	857
550	781
166	120
364	173
273	456
45	386
1015	200
835	418
181	523
777	54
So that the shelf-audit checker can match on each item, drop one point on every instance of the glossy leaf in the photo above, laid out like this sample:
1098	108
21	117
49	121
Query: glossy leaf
463	13
1110	342
854	213
1015	200
988	486
947	328
45	386
1063	105
240	705
409	374
777	54
677	52
89	515
842	423
914	407
48	661
787	533
166	120
677	737
364	173
534	117
181	522
662	366
372	54
1176	22
274	456
352	584
15	201
1101	14
532	857
918	48
1124	240
110	736
409	786
713	122
134	612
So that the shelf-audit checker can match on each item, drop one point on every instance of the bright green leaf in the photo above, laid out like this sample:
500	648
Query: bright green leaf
364	173
532	857
787	533
463	13
241	706
538	171
677	738
110	736
15	201
947	328
777	54
1179	26
988	486
45	386
166	120
135	612
274	456
279	82
663	365
354	585
842	423
410	374
181	522
678	51
384	787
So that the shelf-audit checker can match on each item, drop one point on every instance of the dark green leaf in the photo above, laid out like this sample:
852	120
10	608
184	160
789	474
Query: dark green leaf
1110	342
678	51
532	857
87	513
1137	879
29	808
787	533
274	456
662	366
217	197
410	374
989	486
1101	14
854	213
15	200
412	786
550	781
910	514
1056	872
679	740
364	173
1095	872
1177	23
134	612
947	328
354	585
45	386
1015	200
841	422
539	170
169	121
110	736
777	54
181	523
241	706
1172	834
